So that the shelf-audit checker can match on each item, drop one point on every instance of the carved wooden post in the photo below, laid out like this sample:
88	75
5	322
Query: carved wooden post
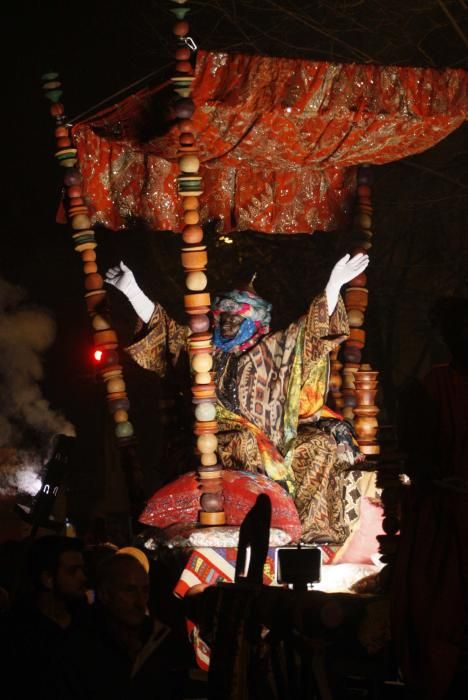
336	382
389	479
365	410
104	336
197	301
355	296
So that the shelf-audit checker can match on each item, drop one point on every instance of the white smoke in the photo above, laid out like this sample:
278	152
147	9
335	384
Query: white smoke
25	334
19	478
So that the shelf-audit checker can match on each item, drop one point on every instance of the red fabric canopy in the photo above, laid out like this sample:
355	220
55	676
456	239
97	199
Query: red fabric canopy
278	138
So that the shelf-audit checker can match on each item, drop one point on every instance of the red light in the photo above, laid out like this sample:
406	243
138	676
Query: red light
98	355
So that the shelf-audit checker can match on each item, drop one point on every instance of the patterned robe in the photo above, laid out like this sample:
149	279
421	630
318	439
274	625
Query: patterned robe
269	399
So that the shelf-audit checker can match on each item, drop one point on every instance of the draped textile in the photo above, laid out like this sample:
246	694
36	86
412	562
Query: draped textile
279	140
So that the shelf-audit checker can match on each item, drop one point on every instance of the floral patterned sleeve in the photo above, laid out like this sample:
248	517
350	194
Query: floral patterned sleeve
164	339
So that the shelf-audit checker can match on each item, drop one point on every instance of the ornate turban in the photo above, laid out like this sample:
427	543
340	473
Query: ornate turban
255	311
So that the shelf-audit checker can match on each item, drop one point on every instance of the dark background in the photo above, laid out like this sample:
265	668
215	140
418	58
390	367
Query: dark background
104	49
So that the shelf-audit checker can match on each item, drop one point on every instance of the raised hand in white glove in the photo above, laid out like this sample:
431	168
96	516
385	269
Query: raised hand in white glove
344	271
123	279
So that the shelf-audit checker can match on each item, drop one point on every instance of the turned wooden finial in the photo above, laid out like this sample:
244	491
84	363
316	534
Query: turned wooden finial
365	411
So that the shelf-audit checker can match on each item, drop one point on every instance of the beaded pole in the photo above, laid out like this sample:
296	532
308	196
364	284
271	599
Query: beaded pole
84	242
359	384
197	300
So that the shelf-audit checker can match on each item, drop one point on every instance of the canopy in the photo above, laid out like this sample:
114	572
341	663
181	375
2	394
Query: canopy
279	140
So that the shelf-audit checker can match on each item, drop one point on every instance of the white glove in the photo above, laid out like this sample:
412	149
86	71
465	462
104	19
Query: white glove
122	278
344	271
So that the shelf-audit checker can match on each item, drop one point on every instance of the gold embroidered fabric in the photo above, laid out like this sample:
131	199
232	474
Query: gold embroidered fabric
279	140
164	340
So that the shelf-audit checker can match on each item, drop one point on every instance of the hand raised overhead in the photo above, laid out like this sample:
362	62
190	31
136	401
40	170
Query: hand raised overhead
123	279
346	269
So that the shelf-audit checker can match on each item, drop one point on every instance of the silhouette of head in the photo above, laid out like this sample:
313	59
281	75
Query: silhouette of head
123	589
56	563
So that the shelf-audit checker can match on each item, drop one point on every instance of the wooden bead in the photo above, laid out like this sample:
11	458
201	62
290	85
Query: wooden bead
98	322
202	378
94	299
88	255
57	109
181	28
210	475
186	125
183	53
111	357
184	67
194	260
106	338
116	384
80	222
199	323
365	176
184	108
187	139
63	142
202	363
360	280
192	217
123	430
189	164
191	203
355	318
351	355
209	485
72	177
205	412
93	281
89	267
120	416
212	502
357	338
212	518
364	191
117	404
207	443
363	221
196	281
356	298
74	191
208	459
77	202
61	132
192	234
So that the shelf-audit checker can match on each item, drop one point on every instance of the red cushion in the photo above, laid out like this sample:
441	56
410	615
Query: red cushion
178	502
362	542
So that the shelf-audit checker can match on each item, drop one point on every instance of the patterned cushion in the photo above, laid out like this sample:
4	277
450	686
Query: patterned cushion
178	502
362	545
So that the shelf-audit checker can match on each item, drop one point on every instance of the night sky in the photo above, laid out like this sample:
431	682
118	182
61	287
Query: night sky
420	253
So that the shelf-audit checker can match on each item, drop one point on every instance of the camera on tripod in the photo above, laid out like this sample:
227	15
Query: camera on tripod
299	567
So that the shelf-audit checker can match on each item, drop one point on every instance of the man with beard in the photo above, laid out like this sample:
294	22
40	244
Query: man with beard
53	595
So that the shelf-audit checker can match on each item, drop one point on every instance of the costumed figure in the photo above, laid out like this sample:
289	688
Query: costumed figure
271	390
